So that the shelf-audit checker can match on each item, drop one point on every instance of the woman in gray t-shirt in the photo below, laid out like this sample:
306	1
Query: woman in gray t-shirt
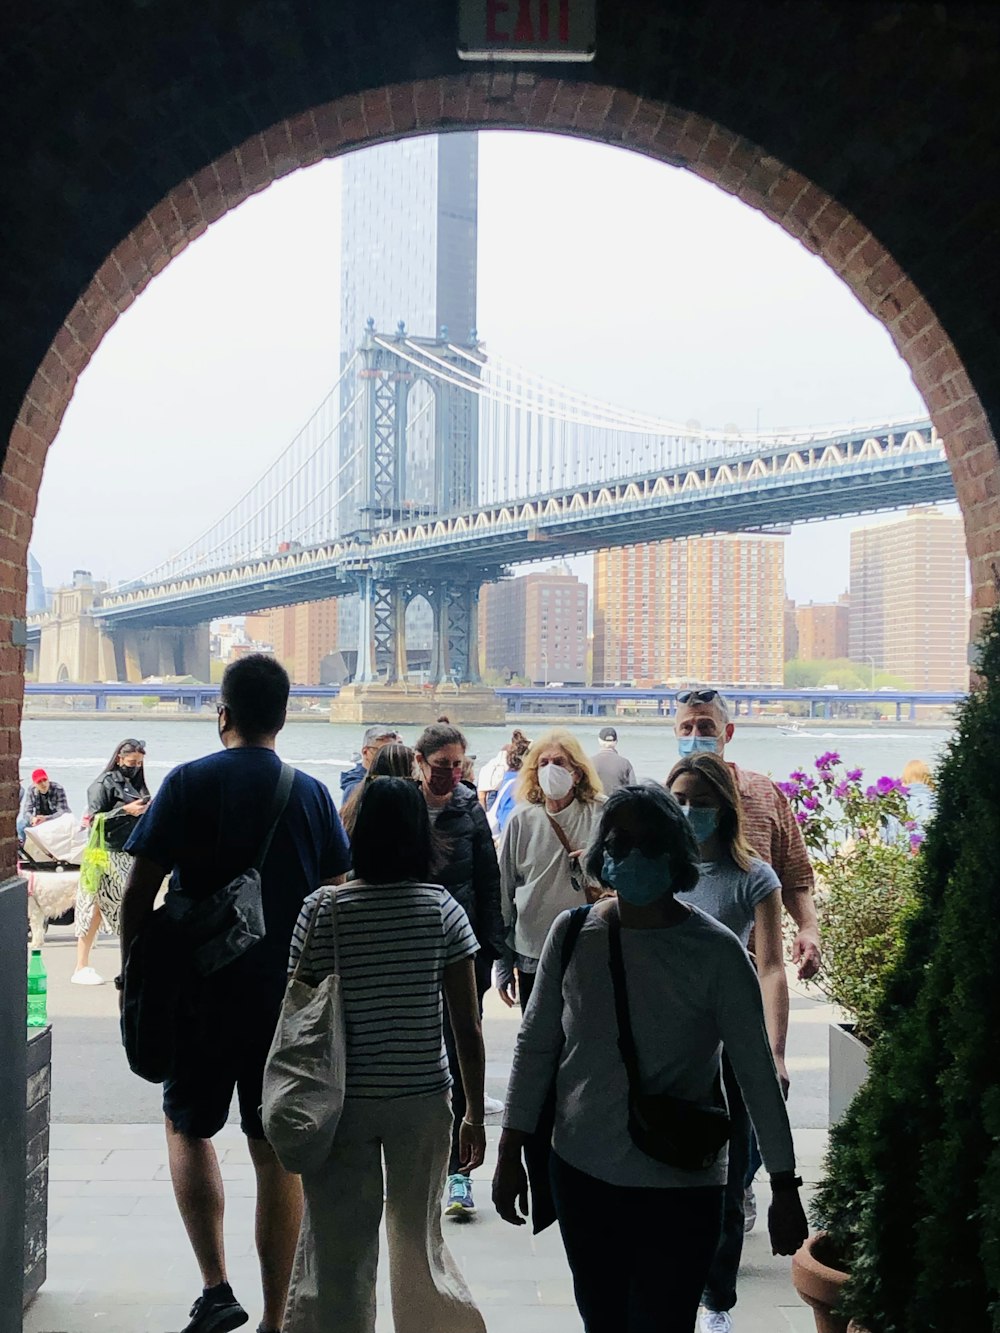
744	893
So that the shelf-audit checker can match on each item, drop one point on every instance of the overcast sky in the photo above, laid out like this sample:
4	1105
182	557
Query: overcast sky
633	281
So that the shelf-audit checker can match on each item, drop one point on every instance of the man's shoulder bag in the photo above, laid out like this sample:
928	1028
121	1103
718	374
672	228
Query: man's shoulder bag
224	925
686	1135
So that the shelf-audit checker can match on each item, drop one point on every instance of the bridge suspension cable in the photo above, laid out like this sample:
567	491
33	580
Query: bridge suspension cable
289	503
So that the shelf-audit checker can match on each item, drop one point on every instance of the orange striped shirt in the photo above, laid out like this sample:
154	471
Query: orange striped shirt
770	829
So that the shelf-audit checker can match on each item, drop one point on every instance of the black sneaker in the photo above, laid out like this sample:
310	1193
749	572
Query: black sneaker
216	1311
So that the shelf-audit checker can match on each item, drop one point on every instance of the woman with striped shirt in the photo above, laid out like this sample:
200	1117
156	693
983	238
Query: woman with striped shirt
402	941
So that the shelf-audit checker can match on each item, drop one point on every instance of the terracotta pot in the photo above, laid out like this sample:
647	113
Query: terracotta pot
819	1286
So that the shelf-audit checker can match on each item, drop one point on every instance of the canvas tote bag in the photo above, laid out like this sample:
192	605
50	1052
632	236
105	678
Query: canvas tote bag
305	1074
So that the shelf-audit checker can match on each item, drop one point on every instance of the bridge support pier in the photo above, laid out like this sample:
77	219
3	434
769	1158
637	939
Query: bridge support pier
166	650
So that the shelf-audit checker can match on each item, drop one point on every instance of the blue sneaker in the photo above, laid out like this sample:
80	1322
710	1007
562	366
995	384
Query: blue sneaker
460	1203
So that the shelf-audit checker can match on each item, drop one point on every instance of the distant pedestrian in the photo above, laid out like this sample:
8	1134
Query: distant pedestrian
207	826
921	801
506	797
374	738
403	941
613	770
391	761
43	800
470	873
559	804
119	797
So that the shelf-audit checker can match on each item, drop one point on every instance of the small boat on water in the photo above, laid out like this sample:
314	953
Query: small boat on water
792	729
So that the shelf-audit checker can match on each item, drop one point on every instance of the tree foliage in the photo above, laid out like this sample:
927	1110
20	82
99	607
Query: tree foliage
911	1194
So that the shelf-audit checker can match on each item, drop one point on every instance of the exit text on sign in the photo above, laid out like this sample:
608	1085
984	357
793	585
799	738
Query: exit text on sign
526	29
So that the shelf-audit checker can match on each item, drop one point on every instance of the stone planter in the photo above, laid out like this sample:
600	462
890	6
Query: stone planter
848	1068
819	1285
36	1218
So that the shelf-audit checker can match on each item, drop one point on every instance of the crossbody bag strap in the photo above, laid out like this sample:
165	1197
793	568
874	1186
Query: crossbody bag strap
626	1039
560	833
329	897
577	921
278	802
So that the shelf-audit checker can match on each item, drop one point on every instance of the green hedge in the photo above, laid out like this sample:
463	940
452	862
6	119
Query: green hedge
911	1195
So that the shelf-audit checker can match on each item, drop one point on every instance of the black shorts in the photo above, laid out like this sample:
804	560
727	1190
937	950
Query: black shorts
227	1058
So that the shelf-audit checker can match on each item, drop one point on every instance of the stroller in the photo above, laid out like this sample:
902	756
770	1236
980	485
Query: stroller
50	861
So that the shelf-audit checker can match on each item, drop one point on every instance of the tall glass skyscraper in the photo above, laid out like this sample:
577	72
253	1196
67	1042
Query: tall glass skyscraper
408	252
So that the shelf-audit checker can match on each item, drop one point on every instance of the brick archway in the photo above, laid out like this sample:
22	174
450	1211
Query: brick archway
477	101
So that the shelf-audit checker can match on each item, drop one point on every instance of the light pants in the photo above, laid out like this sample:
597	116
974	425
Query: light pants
333	1278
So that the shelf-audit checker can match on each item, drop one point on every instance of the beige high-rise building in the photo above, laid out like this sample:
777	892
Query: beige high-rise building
909	599
301	636
535	627
697	608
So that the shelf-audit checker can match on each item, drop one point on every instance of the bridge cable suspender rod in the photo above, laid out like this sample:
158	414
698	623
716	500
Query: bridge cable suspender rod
196	548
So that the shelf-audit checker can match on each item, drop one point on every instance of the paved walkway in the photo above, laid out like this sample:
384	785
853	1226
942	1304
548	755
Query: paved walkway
119	1261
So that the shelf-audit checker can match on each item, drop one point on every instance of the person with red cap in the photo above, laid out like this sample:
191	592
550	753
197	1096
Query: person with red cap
43	800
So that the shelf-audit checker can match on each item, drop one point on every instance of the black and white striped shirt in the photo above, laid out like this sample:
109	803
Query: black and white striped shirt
395	942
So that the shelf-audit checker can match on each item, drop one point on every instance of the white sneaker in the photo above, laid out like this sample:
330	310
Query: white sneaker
749	1209
492	1107
714	1321
87	976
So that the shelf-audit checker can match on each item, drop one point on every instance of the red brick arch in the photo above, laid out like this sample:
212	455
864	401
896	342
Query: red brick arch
485	101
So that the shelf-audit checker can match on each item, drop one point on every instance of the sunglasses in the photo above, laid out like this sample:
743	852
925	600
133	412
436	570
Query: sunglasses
133	747
697	696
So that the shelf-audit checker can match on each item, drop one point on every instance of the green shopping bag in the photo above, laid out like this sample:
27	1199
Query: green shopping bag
96	859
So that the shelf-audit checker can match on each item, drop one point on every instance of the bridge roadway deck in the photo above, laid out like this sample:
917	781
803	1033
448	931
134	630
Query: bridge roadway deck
484	543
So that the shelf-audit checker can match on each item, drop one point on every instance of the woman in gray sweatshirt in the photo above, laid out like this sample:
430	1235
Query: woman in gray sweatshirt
640	1234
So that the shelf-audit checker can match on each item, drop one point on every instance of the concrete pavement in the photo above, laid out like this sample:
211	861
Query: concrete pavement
118	1256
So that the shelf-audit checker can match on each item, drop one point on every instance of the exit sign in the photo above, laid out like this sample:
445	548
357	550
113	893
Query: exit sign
527	29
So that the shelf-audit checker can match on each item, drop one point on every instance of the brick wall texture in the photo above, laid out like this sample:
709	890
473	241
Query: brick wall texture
869	131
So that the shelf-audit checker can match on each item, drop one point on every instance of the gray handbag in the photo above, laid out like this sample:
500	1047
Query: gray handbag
221	927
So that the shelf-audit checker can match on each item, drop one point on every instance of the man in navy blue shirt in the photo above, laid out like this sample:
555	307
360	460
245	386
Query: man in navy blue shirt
205	826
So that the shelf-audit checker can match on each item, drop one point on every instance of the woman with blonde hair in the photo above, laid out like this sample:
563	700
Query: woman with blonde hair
744	893
920	799
559	802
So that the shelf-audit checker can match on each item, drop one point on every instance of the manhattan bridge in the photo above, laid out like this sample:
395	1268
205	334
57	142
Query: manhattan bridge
432	466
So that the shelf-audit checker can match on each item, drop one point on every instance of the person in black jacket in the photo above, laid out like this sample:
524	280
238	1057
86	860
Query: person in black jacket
119	794
471	875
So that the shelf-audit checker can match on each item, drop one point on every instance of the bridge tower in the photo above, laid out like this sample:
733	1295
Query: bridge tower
422	460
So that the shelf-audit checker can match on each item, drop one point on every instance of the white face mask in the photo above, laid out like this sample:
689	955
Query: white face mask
555	781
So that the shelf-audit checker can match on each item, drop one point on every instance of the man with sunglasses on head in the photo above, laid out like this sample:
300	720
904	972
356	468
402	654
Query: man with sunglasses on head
702	722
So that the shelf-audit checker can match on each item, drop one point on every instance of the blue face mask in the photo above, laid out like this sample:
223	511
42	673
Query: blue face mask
638	879
704	820
697	745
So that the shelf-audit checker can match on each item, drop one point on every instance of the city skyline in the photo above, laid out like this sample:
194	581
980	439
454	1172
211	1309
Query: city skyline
763	281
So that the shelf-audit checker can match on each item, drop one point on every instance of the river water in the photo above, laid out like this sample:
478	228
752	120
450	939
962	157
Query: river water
74	751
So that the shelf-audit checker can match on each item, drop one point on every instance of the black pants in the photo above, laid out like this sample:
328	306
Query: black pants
720	1285
638	1256
484	972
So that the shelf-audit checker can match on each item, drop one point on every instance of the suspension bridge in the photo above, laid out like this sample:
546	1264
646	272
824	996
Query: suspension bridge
431	467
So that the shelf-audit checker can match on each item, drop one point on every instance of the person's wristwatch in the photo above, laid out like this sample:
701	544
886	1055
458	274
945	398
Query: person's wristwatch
784	1180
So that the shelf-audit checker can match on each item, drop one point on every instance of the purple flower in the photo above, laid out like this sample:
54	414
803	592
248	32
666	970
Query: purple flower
910	825
871	793
798	775
854	774
801	817
811	803
788	789
828	760
841	790
916	841
885	785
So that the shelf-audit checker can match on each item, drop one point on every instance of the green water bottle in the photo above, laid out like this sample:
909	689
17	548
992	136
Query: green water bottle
38	986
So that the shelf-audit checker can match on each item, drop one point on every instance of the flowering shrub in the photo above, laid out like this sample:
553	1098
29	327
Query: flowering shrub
863	846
